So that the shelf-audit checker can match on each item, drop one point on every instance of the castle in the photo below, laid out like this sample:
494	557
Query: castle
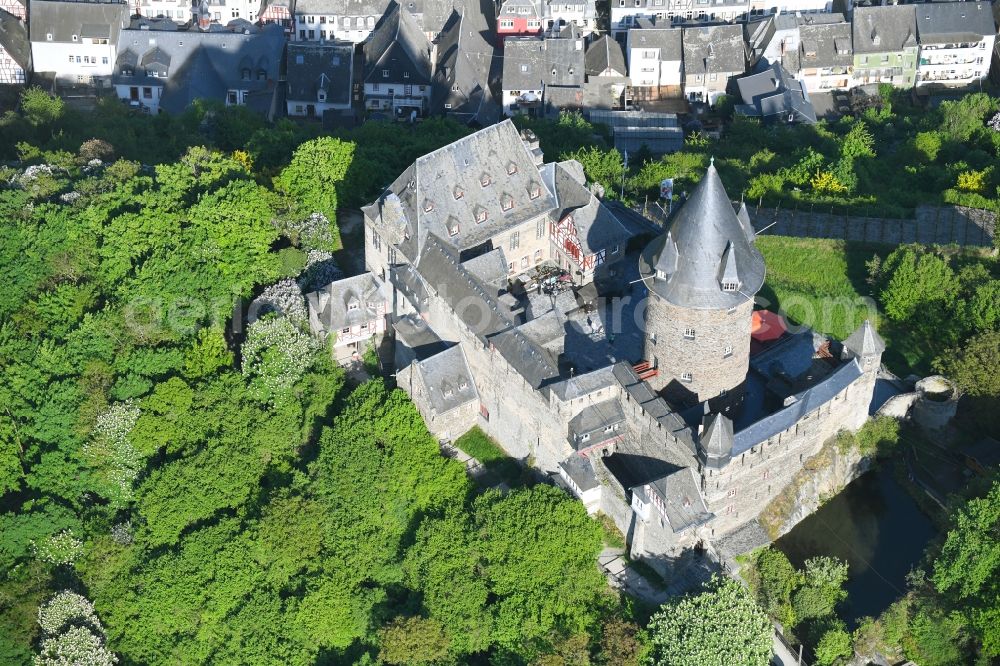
521	302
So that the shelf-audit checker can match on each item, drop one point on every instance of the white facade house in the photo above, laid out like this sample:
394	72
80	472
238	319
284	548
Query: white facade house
182	11
581	13
765	7
655	61
76	40
956	43
625	13
342	20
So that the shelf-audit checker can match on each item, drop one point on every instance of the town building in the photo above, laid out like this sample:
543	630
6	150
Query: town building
579	13
345	20
278	12
486	335
792	7
519	18
161	67
15	50
625	13
398	69
824	59
319	78
463	57
956	43
75	43
885	45
655	61
536	70
184	11
351	311
712	56
774	95
605	58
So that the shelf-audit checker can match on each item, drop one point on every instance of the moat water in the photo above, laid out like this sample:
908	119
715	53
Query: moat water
877	528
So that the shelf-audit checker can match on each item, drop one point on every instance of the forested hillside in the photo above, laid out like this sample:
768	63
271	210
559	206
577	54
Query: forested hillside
211	485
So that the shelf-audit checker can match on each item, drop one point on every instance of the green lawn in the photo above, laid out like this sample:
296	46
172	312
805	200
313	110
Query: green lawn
820	283
499	465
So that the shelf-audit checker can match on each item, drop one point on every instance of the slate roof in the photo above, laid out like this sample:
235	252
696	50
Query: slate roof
415	333
705	244
531	63
347	302
580	470
682	504
865	341
951	22
775	92
489	268
448	380
579	386
668	40
481	312
716	441
597	227
458	169
717	49
524	63
312	67
462	72
654	405
63	19
399	45
597	416
831	43
203	65
605	53
342	7
884	29
806	402
14	39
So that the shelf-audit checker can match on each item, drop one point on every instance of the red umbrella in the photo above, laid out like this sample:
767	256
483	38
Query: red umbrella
767	326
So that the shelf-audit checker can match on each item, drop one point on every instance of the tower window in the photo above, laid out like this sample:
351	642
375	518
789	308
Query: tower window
687	377
661	275
689	333
728	351
730	285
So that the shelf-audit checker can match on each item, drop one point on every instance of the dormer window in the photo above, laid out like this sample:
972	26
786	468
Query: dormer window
481	214
730	285
458	193
385	73
448	392
352	304
262	76
661	275
484	179
406	75
689	333
462	385
428	205
453	226
687	377
506	201
75	38
534	190
245	74
321	96
585	437
511	169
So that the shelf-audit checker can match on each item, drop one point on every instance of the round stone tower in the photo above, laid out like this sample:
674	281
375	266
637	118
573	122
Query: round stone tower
702	276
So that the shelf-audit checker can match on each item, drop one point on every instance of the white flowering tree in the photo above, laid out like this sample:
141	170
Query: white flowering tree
275	356
283	298
720	626
310	233
72	634
320	270
61	548
114	460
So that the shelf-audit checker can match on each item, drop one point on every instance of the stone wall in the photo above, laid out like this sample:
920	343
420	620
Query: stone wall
717	358
931	224
742	489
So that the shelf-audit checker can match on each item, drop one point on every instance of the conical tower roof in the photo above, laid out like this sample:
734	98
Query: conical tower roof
694	264
864	341
716	444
